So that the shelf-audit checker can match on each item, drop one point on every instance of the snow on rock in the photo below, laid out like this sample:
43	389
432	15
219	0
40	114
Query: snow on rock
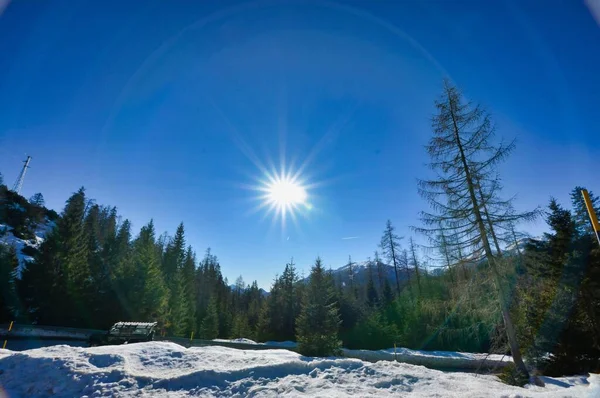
238	340
282	344
167	369
7	238
435	359
270	344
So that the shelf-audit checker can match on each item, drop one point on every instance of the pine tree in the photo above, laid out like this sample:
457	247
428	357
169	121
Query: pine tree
440	243
415	264
37	200
388	294
289	303
9	307
350	273
172	270
465	161
581	217
148	294
175	254
179	306
239	286
254	300
56	285
264	331
210	324
271	321
119	256
404	264
205	286
99	277
586	245
380	273
560	242
559	298
390	246
372	296
37	211
42	286
189	289
351	310
318	324
73	257
240	327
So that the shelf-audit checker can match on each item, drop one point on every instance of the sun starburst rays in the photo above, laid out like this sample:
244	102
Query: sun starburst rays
283	195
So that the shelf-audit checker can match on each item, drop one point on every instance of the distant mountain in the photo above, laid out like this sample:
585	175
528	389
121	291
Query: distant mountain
262	291
476	261
358	273
522	244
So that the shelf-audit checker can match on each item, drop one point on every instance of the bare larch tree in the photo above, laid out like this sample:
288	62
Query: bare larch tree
390	247
464	193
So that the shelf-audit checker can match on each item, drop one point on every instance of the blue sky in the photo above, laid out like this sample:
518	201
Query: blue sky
166	110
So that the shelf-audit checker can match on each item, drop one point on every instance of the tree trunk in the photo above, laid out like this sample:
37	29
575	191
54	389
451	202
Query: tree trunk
510	330
489	221
416	264
394	260
446	255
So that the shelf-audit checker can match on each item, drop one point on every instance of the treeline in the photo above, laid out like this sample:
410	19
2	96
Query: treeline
90	271
494	288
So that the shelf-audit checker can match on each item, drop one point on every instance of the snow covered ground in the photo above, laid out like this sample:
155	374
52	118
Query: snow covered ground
167	369
432	359
279	344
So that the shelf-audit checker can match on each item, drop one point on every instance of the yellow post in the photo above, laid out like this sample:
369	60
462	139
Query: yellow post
9	329
192	336
591	213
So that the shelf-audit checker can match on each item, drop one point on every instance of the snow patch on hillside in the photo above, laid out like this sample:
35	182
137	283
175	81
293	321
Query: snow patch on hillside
8	238
166	369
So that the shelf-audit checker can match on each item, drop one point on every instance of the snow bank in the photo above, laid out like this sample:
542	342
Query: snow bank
269	344
167	369
282	344
434	359
238	340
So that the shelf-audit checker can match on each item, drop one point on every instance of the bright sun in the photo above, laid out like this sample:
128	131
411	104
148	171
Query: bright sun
285	193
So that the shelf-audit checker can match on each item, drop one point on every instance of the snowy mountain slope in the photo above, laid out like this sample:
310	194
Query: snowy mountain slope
262	291
9	239
359	273
166	369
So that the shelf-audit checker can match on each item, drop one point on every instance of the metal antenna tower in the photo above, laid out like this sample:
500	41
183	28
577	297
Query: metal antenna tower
19	183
